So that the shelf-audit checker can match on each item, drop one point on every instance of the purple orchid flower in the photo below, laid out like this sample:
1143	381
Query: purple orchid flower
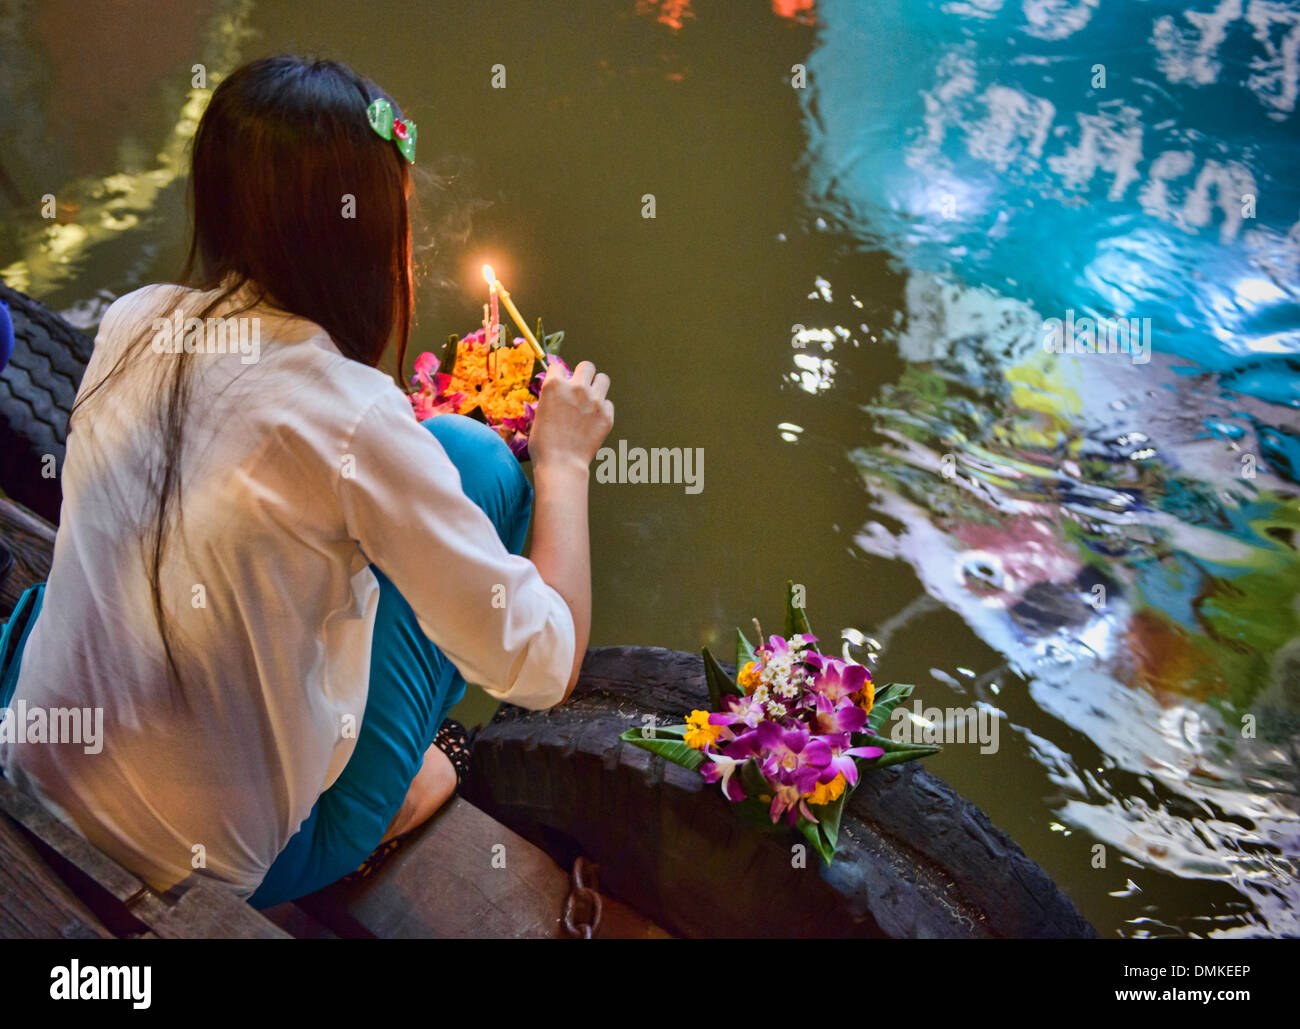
741	747
779	646
792	756
426	367
838	716
552	361
745	710
515	431
836	679
722	769
787	800
429	384
842	758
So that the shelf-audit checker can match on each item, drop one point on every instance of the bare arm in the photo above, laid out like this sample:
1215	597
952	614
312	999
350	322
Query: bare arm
573	419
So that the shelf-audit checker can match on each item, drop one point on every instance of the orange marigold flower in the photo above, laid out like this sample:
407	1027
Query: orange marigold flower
494	381
825	792
867	696
700	733
748	677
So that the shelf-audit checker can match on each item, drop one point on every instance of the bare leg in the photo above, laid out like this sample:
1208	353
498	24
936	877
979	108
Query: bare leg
432	786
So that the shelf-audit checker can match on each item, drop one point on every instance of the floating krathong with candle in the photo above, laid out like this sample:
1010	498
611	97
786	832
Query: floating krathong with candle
483	376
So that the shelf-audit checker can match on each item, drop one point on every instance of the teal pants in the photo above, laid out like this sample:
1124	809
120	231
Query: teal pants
412	686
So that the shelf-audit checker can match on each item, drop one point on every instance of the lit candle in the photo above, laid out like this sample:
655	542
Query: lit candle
494	331
499	289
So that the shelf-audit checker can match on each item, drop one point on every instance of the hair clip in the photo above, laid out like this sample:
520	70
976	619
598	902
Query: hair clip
389	126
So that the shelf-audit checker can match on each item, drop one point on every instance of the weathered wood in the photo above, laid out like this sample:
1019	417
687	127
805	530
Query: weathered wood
461	875
34	903
298	923
111	878
203	912
124	904
620	922
30	538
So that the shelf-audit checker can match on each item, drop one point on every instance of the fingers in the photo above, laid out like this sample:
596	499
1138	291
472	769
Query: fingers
595	385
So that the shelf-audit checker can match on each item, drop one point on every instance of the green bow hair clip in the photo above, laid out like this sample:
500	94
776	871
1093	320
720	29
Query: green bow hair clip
389	126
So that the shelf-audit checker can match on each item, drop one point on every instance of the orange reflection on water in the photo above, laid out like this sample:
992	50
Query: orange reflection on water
797	10
672	13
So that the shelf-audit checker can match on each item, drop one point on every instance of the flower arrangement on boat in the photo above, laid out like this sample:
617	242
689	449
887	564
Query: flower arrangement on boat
494	384
789	737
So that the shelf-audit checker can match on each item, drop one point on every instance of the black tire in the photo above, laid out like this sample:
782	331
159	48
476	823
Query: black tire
916	859
37	389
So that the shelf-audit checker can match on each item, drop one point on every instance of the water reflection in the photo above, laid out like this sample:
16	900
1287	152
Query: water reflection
1122	531
125	210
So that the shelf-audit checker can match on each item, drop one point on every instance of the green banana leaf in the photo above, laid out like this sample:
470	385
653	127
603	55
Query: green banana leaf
744	651
551	343
898	757
828	824
796	619
887	698
812	832
753	810
661	732
719	682
896	752
669	749
447	364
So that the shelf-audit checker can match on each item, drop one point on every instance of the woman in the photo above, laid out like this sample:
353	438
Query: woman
271	579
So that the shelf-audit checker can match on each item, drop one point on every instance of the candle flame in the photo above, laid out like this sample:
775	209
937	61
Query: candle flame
490	275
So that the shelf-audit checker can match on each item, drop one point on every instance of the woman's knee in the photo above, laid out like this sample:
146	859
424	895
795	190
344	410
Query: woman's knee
490	474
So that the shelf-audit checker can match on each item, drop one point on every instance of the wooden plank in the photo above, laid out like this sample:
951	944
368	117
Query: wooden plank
203	912
101	870
298	923
121	901
620	922
30	538
462	875
34	903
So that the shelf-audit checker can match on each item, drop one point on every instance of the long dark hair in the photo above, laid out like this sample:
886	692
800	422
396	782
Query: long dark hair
283	142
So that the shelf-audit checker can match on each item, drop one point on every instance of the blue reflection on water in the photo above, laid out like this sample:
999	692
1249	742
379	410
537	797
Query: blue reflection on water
1024	160
977	138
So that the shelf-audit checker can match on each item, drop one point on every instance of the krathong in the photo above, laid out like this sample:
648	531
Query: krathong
788	739
496	385
486	378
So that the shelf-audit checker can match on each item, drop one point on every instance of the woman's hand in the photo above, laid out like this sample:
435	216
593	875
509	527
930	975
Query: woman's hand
573	417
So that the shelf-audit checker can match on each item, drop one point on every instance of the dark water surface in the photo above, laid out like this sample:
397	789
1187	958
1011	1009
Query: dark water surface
840	300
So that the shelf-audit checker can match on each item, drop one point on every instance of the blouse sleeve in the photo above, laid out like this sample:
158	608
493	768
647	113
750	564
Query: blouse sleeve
488	610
